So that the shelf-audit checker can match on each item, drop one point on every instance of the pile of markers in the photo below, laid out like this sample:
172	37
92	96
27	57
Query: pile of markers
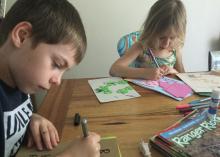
195	104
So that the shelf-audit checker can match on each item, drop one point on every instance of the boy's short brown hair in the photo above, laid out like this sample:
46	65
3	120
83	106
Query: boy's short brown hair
53	21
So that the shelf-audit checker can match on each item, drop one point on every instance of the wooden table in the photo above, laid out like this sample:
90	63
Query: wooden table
130	120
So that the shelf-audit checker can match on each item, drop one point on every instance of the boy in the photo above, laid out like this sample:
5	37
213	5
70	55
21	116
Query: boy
39	40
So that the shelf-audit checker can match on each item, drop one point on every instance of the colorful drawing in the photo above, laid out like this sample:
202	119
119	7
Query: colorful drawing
112	89
168	86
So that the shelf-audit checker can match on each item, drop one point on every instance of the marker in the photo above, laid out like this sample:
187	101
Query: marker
144	148
76	120
213	107
154	59
193	108
200	100
84	127
184	106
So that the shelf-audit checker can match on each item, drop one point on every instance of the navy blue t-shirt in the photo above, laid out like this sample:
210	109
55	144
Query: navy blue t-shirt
15	112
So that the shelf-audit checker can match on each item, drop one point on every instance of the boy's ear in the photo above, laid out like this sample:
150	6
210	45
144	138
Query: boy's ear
21	32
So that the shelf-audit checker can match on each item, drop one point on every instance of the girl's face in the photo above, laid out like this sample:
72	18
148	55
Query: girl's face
38	68
167	40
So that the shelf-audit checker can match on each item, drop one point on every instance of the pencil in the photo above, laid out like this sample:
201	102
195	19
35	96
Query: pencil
153	58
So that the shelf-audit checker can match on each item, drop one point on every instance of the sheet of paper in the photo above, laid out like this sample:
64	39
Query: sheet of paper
109	148
112	89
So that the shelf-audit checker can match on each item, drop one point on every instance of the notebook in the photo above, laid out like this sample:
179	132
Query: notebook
173	88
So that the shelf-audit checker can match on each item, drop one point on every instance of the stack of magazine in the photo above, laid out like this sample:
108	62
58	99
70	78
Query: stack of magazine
202	83
196	135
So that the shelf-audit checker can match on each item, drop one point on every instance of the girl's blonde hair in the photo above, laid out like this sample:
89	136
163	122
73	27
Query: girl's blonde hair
164	15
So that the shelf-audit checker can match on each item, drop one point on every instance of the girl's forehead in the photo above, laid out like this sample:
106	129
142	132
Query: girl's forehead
169	33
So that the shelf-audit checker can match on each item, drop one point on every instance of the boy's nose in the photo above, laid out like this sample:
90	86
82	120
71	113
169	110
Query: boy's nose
56	79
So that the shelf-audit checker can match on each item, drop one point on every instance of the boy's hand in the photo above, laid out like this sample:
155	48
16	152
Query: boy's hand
83	147
42	133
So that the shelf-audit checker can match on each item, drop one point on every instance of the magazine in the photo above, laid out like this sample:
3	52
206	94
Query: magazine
201	82
196	135
173	88
112	89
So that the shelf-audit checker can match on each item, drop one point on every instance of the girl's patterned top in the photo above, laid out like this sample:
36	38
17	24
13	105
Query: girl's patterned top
148	61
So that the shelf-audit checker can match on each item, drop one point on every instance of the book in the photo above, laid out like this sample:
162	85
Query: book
173	88
109	148
201	82
112	89
196	135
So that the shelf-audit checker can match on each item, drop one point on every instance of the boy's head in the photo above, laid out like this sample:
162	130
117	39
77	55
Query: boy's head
52	22
40	40
166	19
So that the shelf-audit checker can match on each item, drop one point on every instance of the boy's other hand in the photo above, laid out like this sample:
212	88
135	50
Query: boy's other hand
83	147
42	133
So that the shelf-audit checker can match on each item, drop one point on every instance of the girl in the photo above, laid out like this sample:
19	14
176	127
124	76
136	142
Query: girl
163	34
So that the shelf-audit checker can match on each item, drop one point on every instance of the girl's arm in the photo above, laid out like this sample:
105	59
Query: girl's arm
179	64
121	66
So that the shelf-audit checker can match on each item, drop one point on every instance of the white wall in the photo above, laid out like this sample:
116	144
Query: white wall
106	21
203	33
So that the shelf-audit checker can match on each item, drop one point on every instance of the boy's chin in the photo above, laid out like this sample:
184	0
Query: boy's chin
29	91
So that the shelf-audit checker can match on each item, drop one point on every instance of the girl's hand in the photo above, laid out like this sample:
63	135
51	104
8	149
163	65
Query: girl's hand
42	133
168	70
154	73
83	147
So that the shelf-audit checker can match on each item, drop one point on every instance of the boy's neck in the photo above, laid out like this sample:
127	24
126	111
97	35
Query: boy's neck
5	73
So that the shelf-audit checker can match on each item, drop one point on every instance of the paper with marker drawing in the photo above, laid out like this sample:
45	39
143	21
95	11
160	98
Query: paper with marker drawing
109	148
112	89
173	88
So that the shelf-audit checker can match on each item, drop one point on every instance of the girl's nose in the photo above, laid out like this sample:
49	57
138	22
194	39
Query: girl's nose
166	43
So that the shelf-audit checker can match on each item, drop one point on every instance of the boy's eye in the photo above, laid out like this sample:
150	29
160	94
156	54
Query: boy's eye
57	65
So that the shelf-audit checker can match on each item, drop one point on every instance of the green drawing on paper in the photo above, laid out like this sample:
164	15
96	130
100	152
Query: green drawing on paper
112	89
107	87
124	90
